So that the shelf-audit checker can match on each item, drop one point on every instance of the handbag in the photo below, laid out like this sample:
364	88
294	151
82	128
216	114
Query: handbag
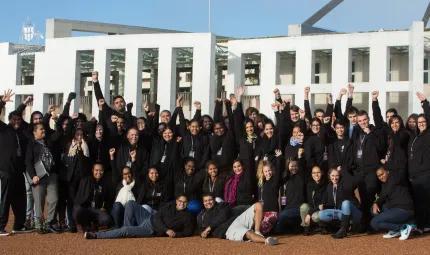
40	172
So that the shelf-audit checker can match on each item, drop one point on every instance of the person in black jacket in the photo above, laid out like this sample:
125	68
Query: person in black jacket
214	183
153	193
339	145
238	189
365	154
315	148
341	202
172	220
126	190
189	181
268	191
292	193
90	208
12	158
394	207
39	152
211	219
316	195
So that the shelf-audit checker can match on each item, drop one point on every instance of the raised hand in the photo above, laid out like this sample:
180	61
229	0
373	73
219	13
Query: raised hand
7	96
133	154
72	95
240	90
278	153
421	96
326	120
178	139
350	90
179	100
302	114
95	76
51	108
198	105
300	152
146	107
75	116
300	137
375	95
330	98
114	118
112	151
28	100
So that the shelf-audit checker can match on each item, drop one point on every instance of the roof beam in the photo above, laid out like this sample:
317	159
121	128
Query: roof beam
321	13
426	16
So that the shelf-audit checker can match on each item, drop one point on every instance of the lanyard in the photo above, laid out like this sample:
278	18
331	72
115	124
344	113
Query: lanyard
211	189
153	194
412	145
165	148
334	195
203	218
192	143
313	194
17	140
98	152
361	141
285	188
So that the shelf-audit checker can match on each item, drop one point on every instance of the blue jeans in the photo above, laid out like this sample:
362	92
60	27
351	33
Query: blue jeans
137	223
149	209
117	214
287	219
392	219
347	209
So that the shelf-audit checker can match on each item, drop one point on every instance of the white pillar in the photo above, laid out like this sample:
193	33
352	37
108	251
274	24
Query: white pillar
133	79
235	69
304	67
102	65
416	65
203	86
379	65
341	58
76	103
166	90
268	82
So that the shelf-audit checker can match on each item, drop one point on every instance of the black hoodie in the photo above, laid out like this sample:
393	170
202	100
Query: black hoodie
168	217
395	193
213	217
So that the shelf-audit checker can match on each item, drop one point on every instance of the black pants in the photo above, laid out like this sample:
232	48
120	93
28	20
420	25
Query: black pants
12	193
367	188
63	198
86	215
421	195
73	189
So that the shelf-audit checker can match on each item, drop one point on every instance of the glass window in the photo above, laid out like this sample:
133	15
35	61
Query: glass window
426	78
317	68
426	64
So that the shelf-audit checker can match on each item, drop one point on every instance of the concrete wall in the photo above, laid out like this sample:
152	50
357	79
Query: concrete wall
339	73
57	69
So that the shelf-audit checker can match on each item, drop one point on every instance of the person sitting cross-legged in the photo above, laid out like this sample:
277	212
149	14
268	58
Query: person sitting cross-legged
173	220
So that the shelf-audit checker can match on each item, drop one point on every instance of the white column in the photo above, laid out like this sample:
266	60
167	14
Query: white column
341	58
304	67
133	79
235	70
268	82
379	65
203	86
102	65
166	90
76	103
416	65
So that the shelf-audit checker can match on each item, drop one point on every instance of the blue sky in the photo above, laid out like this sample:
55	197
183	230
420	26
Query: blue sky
236	18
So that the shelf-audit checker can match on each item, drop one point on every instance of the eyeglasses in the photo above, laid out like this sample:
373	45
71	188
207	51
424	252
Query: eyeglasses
315	125
422	122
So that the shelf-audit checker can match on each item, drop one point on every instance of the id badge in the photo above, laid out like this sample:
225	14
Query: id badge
412	156
359	154
335	215
163	158
93	204
261	201
191	155
325	156
18	152
265	158
128	164
283	200
219	153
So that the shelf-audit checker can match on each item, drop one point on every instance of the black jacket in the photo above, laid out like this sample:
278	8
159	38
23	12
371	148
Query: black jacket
268	191
168	217
217	188
78	166
189	185
10	162
35	151
419	155
123	156
86	191
155	195
172	151
213	217
293	187
344	191
316	193
370	146
395	193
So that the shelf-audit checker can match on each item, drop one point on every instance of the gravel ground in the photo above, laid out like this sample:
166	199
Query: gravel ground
68	243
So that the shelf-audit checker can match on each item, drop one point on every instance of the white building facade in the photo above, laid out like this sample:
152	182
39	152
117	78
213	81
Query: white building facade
392	62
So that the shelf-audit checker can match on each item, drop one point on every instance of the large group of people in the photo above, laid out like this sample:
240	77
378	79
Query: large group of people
234	175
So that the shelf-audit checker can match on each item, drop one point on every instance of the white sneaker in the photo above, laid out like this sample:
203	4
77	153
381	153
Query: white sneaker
271	241
405	232
391	234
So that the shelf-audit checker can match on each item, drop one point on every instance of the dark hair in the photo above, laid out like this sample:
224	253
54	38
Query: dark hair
95	164
338	122
34	113
181	195
165	111
116	97
208	163
268	121
82	117
294	108
14	114
318	110
362	113
351	110
317	120
126	167
35	126
208	194
238	160
331	170
153	167
395	116
419	116
188	159
392	110
142	118
250	110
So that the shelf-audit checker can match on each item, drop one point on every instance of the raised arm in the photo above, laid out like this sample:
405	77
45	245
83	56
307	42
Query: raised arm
6	98
198	113
218	110
377	116
424	104
307	105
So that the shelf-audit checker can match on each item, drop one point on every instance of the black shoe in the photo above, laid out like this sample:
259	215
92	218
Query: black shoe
90	235
307	231
343	230
323	228
50	229
21	231
4	233
41	231
73	230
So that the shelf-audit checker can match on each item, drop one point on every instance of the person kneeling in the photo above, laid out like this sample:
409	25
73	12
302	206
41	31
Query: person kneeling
90	208
394	207
241	228
173	220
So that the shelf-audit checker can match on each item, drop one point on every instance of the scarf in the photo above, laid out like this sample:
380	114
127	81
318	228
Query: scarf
294	142
251	138
125	194
231	189
74	148
46	157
